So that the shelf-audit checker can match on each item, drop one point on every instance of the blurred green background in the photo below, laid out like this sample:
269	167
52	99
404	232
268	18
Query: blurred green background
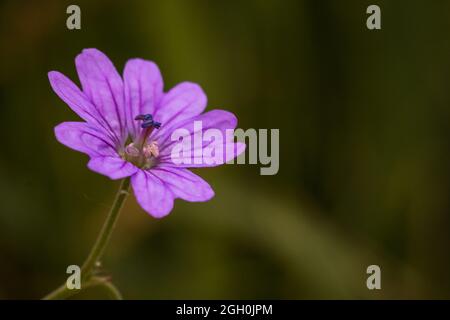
364	150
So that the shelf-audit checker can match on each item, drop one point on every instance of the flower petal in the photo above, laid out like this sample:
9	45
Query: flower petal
184	184
202	154
103	85
152	194
83	137
184	101
72	96
143	90
112	167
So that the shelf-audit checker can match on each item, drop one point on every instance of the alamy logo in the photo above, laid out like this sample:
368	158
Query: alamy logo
74	20
214	147
374	20
374	280
74	280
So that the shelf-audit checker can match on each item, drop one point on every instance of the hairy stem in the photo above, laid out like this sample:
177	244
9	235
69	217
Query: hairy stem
87	279
105	234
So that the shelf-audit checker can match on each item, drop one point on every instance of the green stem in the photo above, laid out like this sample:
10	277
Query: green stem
114	293
105	234
87	280
63	292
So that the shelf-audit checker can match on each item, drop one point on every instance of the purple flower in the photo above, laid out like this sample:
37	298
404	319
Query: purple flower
128	125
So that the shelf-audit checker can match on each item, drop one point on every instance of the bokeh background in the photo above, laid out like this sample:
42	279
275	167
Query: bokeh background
364	150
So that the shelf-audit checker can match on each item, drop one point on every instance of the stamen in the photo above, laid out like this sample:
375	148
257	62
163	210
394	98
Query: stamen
132	150
148	124
145	117
147	121
151	149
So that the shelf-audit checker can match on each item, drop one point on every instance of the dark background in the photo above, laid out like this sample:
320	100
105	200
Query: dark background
364	150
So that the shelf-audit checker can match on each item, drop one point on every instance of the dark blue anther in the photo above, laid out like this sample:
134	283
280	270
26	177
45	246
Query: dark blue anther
148	121
144	117
147	124
157	125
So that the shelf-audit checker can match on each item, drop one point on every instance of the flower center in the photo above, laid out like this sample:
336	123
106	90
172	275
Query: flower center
141	153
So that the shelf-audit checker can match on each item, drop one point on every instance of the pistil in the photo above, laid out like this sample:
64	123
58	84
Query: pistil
147	125
141	153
